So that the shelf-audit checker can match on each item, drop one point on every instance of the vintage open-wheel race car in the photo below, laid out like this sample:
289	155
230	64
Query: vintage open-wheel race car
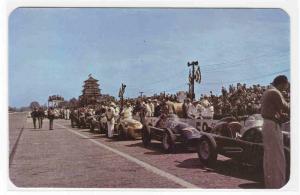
127	127
98	122
230	139
169	130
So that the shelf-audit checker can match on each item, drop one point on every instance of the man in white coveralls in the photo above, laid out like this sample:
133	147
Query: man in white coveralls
273	108
110	115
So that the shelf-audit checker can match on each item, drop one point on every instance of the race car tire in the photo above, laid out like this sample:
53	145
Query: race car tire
168	143
100	128
133	134
207	152
204	127
121	134
146	136
92	127
105	129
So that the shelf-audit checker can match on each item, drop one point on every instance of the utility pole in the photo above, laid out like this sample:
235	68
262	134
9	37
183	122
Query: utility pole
141	92
193	64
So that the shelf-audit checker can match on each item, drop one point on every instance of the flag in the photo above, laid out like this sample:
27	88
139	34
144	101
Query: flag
120	92
198	75
190	77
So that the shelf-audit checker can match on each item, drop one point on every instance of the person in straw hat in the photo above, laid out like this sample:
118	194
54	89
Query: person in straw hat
110	116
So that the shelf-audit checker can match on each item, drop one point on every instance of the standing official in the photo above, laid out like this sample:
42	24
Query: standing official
273	106
34	116
110	115
41	115
67	115
51	117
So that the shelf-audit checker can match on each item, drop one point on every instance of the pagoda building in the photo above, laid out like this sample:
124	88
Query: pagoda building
90	92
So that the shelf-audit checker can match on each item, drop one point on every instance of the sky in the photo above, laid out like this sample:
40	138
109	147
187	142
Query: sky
53	50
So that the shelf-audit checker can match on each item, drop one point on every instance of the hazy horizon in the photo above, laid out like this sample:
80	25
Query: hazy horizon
53	50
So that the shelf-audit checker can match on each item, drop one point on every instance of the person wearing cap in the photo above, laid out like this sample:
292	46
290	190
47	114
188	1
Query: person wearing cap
151	107
273	105
51	116
110	116
192	110
170	106
185	106
41	116
34	116
157	108
148	108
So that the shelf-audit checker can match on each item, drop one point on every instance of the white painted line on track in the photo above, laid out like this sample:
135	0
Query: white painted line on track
147	166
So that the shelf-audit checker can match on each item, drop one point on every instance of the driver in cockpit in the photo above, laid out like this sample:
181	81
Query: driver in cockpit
162	120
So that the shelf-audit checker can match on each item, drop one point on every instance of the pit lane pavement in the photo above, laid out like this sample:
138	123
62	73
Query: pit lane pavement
71	157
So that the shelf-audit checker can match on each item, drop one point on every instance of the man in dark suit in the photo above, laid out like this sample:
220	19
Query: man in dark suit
34	116
41	115
51	117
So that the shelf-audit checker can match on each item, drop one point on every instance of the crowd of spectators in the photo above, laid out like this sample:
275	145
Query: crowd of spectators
238	100
55	97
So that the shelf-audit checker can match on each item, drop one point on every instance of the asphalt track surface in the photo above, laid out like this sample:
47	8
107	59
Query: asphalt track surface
76	158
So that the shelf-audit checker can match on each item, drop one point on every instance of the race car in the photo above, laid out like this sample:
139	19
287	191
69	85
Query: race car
230	139
98	122
169	130
127	127
80	119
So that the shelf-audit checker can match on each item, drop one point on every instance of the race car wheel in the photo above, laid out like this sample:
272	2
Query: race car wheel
100	128
105	129
206	152
204	127
92	127
133	134
168	143
146	137
121	135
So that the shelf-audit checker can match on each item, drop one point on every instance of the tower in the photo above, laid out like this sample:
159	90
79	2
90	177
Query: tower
90	92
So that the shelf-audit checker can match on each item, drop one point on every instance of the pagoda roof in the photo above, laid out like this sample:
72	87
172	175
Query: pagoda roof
90	84
91	79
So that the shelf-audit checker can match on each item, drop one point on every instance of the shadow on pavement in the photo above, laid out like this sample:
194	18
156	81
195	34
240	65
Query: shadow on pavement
157	149
89	138
116	139
95	137
87	131
58	128
139	144
228	168
252	185
190	163
39	130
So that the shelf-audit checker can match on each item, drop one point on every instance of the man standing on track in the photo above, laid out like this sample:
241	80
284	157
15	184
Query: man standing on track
34	116
41	115
272	108
51	117
110	115
67	115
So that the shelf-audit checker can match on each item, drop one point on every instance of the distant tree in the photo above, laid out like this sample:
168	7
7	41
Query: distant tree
73	102
64	104
34	104
12	109
22	109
